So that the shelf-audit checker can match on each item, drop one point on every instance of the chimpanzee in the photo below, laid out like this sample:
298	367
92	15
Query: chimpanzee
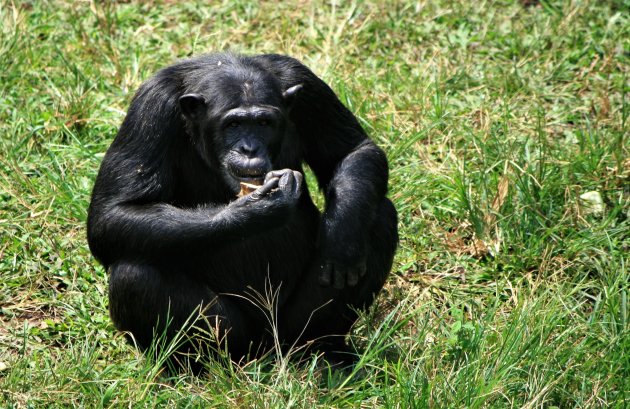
167	222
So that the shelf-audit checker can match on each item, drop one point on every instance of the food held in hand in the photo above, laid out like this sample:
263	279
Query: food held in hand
247	188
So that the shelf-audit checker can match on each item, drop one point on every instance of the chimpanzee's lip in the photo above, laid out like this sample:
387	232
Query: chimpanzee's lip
258	181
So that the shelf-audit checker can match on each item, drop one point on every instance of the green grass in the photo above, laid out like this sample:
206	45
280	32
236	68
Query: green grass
508	290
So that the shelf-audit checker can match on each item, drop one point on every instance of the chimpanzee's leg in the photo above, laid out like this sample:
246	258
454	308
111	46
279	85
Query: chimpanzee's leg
150	304
325	314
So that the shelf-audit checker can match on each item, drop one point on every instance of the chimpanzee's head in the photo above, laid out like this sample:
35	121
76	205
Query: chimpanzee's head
237	118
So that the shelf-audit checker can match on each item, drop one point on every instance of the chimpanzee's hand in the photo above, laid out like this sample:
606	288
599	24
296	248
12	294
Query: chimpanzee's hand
282	187
341	264
276	198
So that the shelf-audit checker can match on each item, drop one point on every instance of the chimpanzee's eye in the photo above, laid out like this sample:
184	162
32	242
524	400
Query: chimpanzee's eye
234	124
263	122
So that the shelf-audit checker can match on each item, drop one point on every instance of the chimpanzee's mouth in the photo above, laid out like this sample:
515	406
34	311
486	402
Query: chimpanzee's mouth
253	176
248	170
252	181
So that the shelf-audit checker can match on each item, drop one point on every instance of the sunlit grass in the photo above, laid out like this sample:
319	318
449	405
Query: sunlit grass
510	289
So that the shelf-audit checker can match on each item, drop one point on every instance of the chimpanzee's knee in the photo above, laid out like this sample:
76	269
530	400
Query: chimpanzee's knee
164	308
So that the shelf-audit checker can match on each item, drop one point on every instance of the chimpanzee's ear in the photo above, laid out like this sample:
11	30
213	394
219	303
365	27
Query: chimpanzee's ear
290	94
192	105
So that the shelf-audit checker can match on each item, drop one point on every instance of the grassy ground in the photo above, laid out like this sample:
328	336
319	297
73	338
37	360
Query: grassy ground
504	125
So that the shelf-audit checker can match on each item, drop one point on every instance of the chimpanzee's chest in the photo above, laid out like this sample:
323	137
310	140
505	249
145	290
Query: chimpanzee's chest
264	261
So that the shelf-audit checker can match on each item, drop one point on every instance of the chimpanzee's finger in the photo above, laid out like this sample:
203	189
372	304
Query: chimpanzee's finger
276	174
340	277
265	189
362	269
353	277
325	274
287	181
298	180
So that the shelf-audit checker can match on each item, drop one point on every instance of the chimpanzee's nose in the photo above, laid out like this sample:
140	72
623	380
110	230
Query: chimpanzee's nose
248	148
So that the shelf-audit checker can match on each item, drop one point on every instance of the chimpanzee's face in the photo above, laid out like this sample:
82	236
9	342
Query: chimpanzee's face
247	140
238	127
237	121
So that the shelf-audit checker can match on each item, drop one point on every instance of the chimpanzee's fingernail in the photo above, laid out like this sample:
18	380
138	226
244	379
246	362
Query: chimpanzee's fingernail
362	270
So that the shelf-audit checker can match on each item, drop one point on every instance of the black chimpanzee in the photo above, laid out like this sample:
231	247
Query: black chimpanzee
167	223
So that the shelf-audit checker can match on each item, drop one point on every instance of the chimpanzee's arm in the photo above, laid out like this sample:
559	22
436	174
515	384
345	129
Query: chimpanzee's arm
132	214
351	170
160	230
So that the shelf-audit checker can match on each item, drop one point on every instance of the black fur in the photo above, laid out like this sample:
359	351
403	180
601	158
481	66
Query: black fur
166	223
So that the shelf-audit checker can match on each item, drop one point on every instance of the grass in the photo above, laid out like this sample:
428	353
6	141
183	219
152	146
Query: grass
508	290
